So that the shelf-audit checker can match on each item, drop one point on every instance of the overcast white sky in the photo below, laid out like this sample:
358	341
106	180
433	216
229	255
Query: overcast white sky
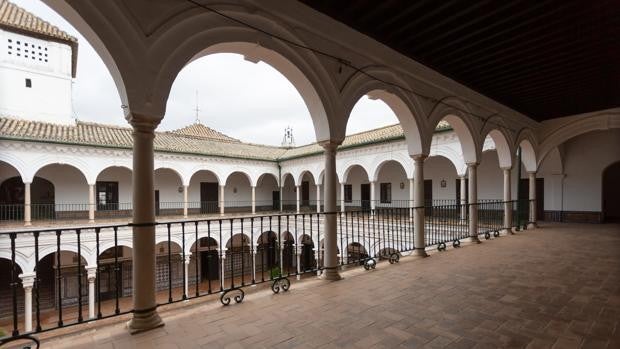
251	102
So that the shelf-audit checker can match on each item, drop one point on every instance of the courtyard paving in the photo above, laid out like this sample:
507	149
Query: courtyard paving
554	287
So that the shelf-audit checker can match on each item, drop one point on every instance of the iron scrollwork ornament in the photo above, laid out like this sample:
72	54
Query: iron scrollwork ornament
225	298
496	233
487	235
394	258
34	339
282	283
370	263
441	246
456	243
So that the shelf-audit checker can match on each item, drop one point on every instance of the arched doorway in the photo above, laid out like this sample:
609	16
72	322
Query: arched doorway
611	193
42	200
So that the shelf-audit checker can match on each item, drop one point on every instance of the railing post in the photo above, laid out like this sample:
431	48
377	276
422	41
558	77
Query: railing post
411	198
91	203
27	283
27	205
473	202
418	203
532	203
91	274
507	201
373	200
299	251
145	314
186	266
463	197
330	232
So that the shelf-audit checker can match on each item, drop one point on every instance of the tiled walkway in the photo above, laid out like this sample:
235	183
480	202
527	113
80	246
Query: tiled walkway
552	287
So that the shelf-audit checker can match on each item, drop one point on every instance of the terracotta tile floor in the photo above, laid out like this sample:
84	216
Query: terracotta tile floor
557	286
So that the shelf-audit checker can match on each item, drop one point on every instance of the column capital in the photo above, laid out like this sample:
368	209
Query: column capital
91	272
27	279
188	258
330	145
419	157
506	168
472	164
531	172
143	123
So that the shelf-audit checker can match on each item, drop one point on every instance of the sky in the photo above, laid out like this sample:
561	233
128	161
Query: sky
248	101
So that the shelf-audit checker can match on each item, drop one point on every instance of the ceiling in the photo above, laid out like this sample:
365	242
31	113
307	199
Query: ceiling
545	59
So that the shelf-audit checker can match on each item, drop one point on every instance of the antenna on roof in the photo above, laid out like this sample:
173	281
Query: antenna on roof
288	140
197	109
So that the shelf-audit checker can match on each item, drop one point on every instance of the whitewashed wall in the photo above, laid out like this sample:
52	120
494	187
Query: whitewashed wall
70	185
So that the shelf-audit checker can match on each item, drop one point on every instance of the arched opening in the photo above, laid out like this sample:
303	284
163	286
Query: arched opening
528	163
289	192
442	183
308	189
238	263
355	189
238	193
113	192
12	194
6	291
62	195
204	265
356	252
611	193
168	270
115	273
308	260
392	181
203	192
267	193
490	176
288	253
168	192
267	254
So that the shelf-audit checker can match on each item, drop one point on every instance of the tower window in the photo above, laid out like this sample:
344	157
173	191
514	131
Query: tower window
28	83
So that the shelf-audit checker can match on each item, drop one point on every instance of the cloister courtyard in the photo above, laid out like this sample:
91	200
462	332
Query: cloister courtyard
553	287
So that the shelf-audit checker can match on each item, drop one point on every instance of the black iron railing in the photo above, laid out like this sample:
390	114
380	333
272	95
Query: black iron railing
197	258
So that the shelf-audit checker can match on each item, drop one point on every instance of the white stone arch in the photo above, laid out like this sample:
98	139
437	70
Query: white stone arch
175	171
190	240
287	174
300	235
504	150
453	155
86	253
106	167
243	171
457	114
79	164
527	141
573	128
383	85
23	261
304	172
17	163
218	176
197	33
404	161
121	241
173	240
351	165
322	176
262	175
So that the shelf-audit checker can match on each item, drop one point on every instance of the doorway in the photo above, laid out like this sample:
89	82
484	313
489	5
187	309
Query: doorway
157	202
611	193
524	196
275	199
365	195
305	193
209	197
209	265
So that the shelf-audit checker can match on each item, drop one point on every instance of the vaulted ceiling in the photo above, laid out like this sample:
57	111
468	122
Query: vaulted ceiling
544	59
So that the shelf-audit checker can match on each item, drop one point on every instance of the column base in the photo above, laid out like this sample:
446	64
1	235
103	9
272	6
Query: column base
145	321
27	224
331	274
532	225
419	253
91	221
508	231
474	240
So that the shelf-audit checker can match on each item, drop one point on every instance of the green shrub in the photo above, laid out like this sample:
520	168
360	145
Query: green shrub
275	272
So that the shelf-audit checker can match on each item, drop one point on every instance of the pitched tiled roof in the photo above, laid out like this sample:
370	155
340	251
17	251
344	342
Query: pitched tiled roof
15	18
194	139
203	132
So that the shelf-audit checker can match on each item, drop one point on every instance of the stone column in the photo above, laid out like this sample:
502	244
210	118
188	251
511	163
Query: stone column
281	198
188	259
373	200
473	200
463	197
253	199
91	273
298	263
507	201
254	263
342	199
185	200
330	254
318	198
91	203
418	203
27	283
145	314
222	200
297	194
532	220
411	197
27	205
222	264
